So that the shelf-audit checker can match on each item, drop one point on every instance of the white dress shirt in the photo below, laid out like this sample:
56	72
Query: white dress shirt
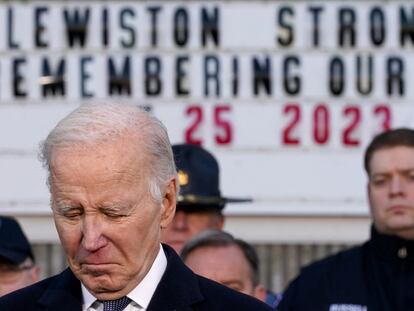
141	295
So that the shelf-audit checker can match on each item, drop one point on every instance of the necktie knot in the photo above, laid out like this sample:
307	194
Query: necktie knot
117	304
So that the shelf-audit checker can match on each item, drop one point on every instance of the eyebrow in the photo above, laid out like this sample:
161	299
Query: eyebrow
387	173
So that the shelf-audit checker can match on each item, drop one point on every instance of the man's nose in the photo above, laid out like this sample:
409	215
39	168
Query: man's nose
396	186
92	235
180	221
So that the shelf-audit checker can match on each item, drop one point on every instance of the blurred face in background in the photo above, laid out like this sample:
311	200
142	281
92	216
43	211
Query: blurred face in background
14	277
391	191
226	265
188	223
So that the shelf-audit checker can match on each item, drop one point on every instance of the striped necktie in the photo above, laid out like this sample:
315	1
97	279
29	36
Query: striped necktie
116	305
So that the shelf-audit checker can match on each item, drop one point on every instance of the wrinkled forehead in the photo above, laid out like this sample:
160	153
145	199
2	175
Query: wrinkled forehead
98	158
399	158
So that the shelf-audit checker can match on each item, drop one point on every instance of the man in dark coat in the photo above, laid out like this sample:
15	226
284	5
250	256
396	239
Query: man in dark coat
113	188
379	275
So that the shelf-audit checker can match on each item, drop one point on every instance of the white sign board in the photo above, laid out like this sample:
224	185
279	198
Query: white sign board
285	94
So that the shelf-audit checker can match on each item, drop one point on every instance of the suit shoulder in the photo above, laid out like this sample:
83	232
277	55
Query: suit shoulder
220	297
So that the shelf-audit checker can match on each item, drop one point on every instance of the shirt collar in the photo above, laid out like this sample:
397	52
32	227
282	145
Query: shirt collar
143	293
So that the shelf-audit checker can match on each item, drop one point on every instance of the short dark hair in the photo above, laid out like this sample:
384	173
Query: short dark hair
388	139
218	238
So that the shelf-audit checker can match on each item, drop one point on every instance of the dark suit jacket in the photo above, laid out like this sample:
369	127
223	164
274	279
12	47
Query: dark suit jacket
179	289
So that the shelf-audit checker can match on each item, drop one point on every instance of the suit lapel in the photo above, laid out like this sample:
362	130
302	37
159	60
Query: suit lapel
178	288
63	294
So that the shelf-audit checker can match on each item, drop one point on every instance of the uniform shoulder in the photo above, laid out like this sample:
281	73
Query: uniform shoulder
337	262
331	274
220	297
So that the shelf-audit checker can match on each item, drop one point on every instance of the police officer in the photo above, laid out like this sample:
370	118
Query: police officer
200	203
379	275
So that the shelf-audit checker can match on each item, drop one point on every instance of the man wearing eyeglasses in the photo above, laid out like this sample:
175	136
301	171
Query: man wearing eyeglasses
17	266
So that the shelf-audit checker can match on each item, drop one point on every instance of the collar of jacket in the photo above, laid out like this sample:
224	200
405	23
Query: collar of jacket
391	247
178	289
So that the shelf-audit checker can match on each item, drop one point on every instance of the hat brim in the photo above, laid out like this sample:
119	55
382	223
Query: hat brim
190	199
12	256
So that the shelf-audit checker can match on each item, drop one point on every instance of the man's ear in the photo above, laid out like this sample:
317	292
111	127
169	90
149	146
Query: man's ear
168	203
369	196
35	274
219	222
260	292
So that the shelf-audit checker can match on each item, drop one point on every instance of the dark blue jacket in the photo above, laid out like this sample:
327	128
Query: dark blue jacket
377	276
179	289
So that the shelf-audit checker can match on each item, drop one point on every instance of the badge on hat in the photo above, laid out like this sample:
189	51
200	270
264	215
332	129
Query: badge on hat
198	177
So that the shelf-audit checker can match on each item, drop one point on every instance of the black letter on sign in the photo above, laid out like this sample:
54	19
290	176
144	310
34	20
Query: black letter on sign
261	75
211	72
235	76
364	77
18	78
85	76
407	26
315	10
395	71
119	82
39	27
346	29
10	17
181	76
181	27
154	10
377	20
53	83
336	76
124	25
210	26
291	82
105	28
76	26
153	68
286	35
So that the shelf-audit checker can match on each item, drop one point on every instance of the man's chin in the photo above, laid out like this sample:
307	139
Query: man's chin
100	284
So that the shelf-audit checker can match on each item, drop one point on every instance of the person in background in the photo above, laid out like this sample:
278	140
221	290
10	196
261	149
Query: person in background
218	256
113	188
378	275
17	264
200	203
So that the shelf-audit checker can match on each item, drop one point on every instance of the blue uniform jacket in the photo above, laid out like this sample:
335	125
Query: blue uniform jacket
377	276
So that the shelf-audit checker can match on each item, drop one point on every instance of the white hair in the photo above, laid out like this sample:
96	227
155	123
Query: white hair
98	122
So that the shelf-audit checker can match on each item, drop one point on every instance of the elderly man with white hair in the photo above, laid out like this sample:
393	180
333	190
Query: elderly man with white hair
113	188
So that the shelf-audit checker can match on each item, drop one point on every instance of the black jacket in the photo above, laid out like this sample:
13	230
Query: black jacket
179	289
377	276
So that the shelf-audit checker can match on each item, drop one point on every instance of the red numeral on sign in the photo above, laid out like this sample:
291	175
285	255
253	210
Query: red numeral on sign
354	114
385	113
321	124
287	136
197	113
223	126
